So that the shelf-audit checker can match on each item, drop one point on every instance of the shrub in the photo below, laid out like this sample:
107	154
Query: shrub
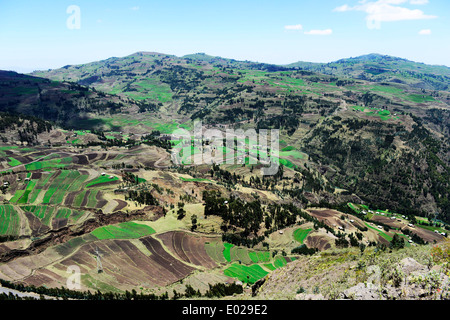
440	253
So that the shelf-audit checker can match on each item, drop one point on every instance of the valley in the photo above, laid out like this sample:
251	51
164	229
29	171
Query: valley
88	181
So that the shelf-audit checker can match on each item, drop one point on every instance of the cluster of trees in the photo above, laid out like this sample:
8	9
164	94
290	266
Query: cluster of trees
234	212
353	240
147	106
12	296
303	249
142	196
154	139
181	213
240	240
397	242
217	290
111	143
286	122
130	177
6	238
27	127
381	175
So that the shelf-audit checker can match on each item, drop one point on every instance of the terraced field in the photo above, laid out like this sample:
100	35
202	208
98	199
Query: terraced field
246	274
188	248
133	255
126	230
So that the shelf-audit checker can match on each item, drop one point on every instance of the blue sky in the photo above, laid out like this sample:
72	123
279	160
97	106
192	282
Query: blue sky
36	35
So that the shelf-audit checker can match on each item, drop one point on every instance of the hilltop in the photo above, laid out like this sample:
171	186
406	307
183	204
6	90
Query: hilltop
384	68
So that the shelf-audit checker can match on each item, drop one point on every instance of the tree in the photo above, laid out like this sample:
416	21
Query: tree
181	212
397	242
194	222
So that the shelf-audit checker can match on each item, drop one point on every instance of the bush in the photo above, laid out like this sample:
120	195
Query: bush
441	253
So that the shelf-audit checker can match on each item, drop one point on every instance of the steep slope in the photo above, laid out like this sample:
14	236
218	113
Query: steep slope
66	104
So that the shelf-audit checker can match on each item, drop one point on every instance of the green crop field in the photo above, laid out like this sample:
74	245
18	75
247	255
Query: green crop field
43	213
286	163
101	179
246	274
27	191
388	89
9	220
301	234
126	230
419	98
291	153
195	179
259	256
48	164
288	148
14	162
92	199
40	184
270	266
55	186
227	251
63	213
384	235
70	181
374	112
279	262
79	198
240	254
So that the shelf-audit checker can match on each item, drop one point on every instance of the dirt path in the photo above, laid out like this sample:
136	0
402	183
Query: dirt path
157	163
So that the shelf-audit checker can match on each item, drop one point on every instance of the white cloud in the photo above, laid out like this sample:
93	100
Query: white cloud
419	2
343	8
294	27
325	32
136	8
387	11
425	32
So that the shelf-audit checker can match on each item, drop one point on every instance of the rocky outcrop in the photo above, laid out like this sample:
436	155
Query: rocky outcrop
413	281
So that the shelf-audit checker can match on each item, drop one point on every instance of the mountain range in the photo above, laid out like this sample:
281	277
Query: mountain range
88	178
